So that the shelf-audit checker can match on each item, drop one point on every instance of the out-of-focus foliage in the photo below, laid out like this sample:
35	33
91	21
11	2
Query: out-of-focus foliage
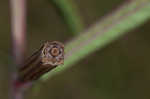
68	10
118	71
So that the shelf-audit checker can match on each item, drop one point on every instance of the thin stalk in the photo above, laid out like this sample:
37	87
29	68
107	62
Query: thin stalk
70	14
129	16
18	35
18	28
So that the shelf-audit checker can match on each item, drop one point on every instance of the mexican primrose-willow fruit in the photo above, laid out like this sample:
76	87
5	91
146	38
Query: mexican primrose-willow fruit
49	56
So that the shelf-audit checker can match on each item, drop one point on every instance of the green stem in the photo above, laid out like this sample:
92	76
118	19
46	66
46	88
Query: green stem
70	15
129	16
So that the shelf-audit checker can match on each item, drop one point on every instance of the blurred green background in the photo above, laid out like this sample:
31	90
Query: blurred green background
121	70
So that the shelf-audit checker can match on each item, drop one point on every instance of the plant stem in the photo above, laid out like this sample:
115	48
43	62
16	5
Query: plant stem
18	27
129	16
70	14
18	33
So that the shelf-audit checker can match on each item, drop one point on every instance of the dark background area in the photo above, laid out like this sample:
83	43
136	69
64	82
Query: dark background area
121	70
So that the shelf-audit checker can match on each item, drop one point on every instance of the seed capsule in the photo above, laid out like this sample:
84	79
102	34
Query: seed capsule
49	56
